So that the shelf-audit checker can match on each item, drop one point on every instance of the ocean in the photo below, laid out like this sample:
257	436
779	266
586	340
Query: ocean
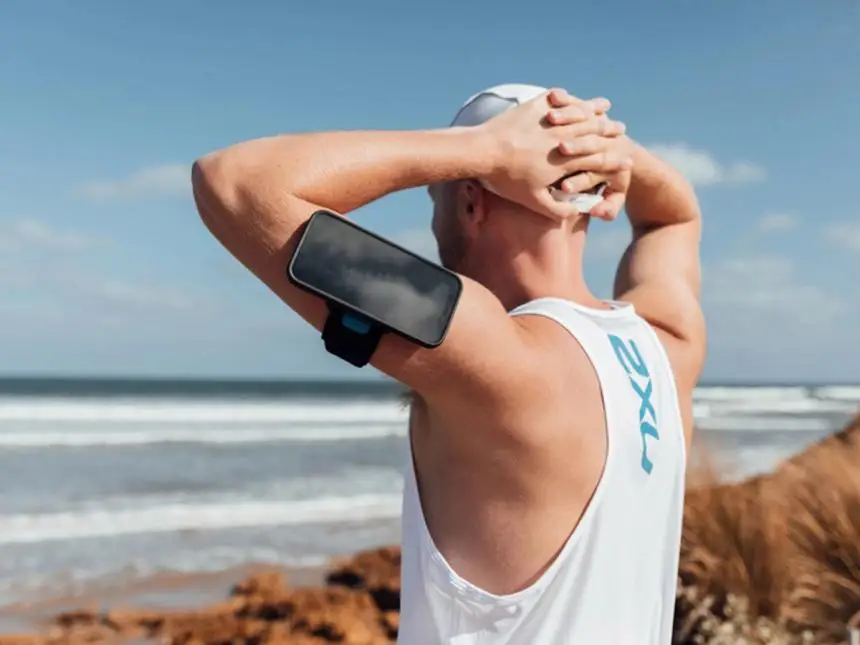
109	482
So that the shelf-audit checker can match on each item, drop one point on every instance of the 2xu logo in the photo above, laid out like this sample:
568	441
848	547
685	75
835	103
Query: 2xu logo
631	360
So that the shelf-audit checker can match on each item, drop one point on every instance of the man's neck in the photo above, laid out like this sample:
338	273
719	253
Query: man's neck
571	287
550	271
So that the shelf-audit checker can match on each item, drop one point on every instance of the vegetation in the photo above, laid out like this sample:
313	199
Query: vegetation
776	558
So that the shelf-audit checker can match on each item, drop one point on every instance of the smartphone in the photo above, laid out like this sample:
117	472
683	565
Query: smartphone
356	270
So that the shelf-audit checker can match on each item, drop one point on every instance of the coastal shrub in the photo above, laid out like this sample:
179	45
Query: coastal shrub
823	531
775	558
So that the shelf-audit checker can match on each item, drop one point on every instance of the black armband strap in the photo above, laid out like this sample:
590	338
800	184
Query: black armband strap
350	336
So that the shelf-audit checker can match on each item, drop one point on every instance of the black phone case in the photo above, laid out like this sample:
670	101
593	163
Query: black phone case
329	299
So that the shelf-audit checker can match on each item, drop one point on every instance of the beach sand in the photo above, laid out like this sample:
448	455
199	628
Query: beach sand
774	559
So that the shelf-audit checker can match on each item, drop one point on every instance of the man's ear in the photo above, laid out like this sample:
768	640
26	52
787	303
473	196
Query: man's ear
472	205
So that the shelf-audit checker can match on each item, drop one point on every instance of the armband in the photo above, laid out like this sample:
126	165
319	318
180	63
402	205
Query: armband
350	336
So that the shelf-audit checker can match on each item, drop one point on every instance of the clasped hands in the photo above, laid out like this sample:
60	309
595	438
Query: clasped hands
557	140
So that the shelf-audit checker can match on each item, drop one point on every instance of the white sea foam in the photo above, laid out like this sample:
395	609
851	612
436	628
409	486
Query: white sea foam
719	393
746	402
764	424
787	406
136	436
132	411
839	392
30	528
46	422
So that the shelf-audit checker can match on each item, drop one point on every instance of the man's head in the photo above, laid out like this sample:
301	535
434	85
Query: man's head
480	233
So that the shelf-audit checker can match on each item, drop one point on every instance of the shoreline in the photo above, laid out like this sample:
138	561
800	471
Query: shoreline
772	559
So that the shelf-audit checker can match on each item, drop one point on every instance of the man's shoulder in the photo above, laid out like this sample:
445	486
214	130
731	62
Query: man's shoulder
550	386
551	359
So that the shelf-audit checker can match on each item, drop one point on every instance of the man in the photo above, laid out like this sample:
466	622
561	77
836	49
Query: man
548	431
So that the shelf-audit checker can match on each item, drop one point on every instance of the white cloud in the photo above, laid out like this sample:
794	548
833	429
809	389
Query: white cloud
68	287
39	262
701	168
768	286
844	234
777	223
137	296
768	320
33	234
155	181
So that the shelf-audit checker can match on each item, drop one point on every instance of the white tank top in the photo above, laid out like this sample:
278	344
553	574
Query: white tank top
614	580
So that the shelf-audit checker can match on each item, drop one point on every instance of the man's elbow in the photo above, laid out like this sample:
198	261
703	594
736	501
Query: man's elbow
240	194
216	184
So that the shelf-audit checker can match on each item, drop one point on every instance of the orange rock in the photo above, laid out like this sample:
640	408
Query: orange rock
79	617
22	639
377	572
358	606
271	584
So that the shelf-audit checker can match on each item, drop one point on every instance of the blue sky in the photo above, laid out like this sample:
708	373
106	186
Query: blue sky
105	268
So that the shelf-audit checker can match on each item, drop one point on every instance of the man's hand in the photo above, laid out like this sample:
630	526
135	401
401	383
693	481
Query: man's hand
598	156
535	149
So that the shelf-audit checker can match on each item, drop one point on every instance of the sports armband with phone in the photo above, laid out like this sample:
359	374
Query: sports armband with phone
371	286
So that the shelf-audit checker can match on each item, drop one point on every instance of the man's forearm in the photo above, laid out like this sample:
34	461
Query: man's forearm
343	171
659	195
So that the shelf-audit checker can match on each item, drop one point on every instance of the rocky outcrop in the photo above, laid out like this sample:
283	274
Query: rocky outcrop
359	605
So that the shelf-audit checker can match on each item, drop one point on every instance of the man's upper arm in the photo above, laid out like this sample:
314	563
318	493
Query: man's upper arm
660	275
485	351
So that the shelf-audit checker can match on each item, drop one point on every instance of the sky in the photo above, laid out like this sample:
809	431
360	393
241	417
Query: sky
105	268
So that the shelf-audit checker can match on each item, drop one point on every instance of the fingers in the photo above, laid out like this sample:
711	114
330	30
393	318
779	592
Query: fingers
587	145
577	113
558	210
568	115
561	209
568	109
581	182
602	164
560	98
601	126
588	153
610	207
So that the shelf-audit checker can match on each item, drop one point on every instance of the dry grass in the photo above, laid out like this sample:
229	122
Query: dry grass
775	559
824	532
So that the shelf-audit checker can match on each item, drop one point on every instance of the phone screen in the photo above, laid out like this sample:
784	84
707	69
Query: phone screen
348	265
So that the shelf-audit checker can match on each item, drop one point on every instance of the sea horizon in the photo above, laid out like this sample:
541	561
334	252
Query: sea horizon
9	382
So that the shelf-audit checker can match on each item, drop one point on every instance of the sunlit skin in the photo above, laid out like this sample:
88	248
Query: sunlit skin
507	427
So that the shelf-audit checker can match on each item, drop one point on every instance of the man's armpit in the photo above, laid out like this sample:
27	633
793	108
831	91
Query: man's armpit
477	360
686	354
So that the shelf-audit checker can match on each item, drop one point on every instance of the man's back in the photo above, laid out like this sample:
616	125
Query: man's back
614	577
